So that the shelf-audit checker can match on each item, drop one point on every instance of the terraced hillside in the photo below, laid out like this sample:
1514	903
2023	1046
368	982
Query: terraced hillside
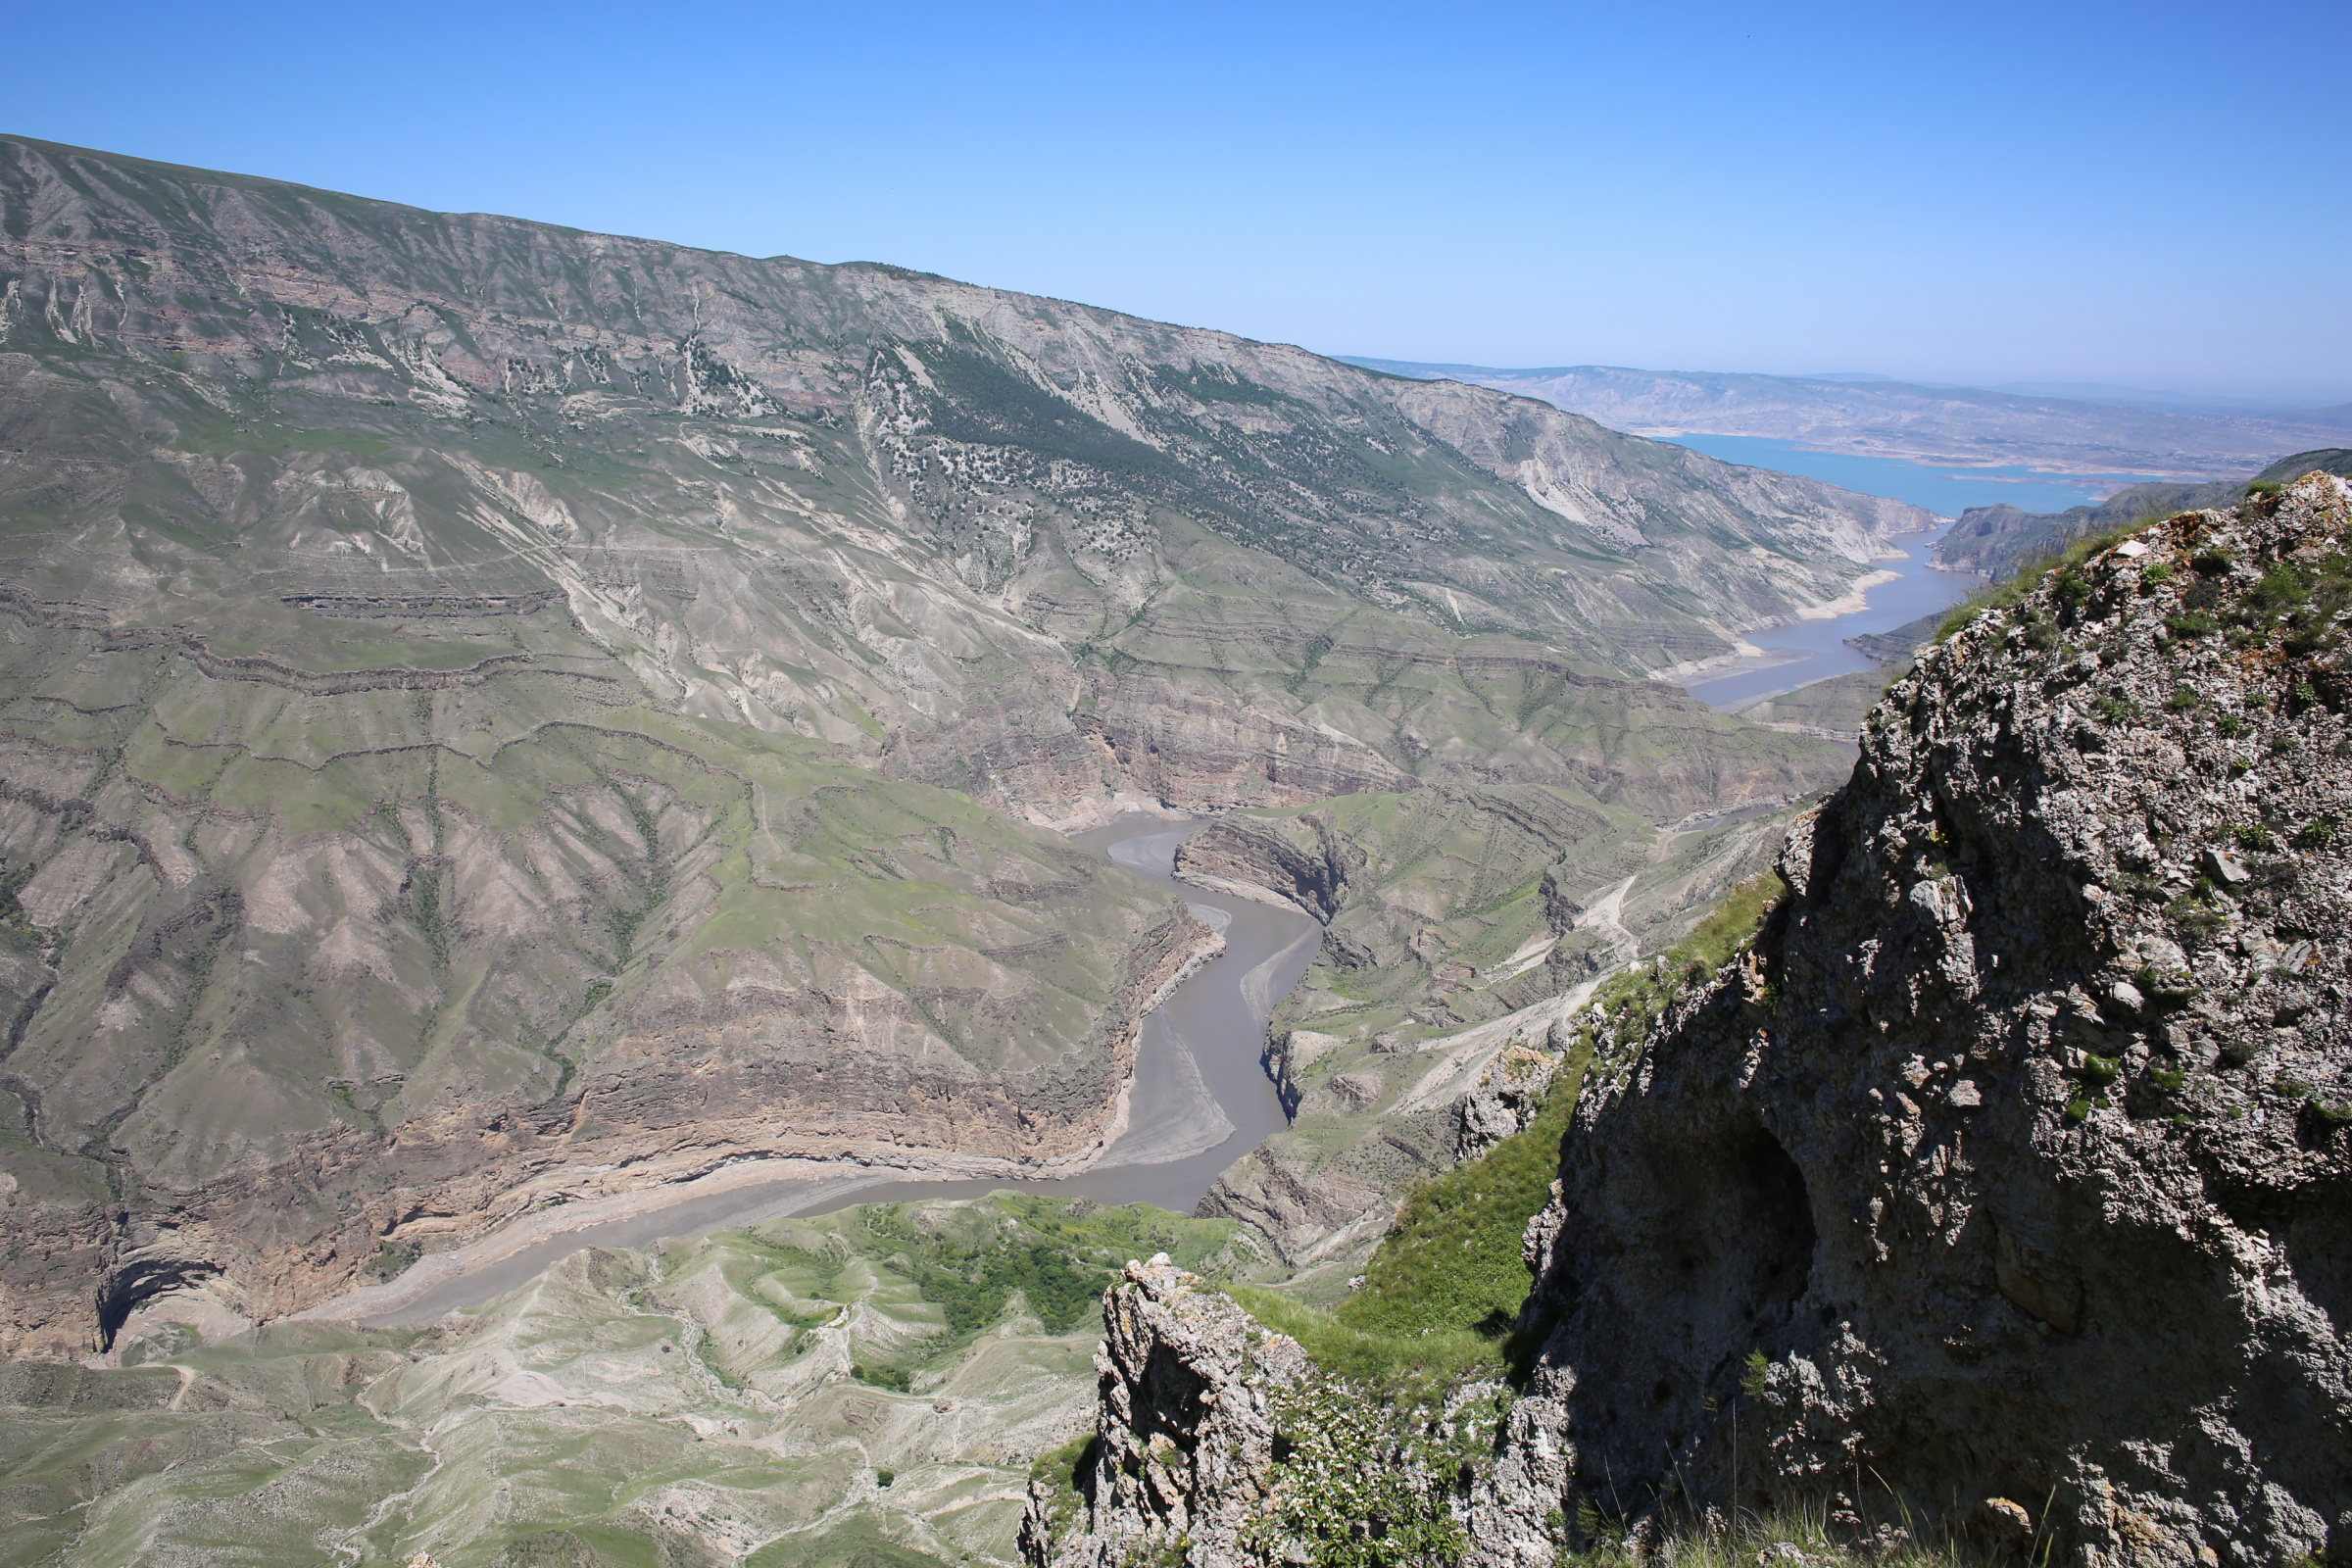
492	714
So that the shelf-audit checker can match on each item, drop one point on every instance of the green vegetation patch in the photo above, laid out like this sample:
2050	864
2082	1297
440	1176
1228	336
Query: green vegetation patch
1453	1264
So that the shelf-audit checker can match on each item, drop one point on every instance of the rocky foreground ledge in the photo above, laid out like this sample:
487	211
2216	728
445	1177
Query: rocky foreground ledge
2008	1179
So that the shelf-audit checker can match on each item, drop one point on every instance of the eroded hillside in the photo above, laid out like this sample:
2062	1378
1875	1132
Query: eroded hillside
492	714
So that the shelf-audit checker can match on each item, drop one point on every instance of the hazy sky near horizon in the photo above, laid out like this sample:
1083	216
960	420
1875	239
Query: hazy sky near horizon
2152	194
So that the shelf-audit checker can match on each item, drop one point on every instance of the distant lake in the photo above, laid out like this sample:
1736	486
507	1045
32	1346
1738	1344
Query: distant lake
1940	487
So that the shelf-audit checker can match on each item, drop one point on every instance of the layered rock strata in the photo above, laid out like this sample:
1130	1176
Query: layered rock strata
491	716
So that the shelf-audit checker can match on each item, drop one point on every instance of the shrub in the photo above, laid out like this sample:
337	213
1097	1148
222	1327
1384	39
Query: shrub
2183	699
392	1259
2188	625
895	1378
2030	577
2152	576
2117	710
2255	837
1362	1485
2316	834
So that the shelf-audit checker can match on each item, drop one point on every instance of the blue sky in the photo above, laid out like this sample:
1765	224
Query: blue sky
2152	195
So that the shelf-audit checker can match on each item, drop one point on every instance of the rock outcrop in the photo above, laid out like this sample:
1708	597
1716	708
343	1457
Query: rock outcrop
1185	1437
2012	1176
1505	1098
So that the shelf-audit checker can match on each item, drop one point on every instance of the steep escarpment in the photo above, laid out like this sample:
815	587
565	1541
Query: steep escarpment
2015	1162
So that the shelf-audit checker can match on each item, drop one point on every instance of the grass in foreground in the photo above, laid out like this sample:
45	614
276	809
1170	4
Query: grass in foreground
1443	1292
1798	1538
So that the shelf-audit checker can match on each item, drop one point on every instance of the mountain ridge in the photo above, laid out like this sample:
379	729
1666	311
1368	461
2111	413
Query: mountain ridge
1920	421
494	715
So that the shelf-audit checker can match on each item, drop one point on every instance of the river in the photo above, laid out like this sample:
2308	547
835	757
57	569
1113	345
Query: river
1200	1099
1806	650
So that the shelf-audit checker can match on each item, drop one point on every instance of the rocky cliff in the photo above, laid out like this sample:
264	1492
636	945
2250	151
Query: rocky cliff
1185	1434
2001	1183
2015	1165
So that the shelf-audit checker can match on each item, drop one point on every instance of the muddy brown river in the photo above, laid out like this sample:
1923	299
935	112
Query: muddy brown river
1200	1101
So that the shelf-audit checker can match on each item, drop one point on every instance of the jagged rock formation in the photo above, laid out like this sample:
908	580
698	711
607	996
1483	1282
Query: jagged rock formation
2004	1180
1505	1096
1185	1433
2019	1156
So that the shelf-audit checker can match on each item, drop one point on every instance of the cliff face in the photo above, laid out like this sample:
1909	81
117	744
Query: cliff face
2019	1157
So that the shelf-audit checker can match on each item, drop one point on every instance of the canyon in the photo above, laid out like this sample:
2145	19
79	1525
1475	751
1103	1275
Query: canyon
1986	1198
498	717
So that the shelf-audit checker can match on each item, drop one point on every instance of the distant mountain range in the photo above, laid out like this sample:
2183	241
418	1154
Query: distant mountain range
2064	428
